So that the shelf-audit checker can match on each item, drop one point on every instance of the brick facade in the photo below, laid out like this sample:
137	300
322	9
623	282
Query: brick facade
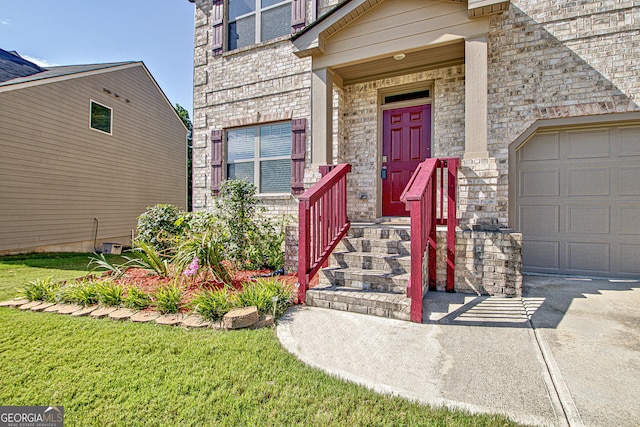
546	59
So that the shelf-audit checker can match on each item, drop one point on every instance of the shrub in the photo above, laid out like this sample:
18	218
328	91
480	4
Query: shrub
237	208
99	261
136	299
159	226
84	292
196	221
207	249
46	289
110	293
212	305
149	258
266	248
262	292
168	298
251	241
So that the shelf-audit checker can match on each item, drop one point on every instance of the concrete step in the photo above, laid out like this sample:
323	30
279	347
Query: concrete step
384	246
394	263
375	280
395	306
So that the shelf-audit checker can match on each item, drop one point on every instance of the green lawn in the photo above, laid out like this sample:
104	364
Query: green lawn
16	270
125	374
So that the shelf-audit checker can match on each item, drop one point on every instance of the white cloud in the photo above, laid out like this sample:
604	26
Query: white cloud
5	22
40	62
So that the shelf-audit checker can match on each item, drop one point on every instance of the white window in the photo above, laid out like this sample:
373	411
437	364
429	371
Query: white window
262	156
100	117
254	21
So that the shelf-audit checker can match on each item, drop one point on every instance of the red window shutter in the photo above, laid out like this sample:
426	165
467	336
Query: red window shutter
217	20
216	161
298	150
298	15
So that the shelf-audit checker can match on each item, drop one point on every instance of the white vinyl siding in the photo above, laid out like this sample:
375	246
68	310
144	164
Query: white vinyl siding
262	156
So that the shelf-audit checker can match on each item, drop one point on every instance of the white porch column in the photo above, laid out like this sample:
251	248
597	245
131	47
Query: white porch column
475	114
322	117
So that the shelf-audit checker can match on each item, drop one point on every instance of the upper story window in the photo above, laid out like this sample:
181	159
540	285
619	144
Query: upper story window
262	156
100	117
254	21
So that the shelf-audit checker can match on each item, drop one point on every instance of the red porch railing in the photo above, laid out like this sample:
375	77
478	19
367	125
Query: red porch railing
425	202
322	223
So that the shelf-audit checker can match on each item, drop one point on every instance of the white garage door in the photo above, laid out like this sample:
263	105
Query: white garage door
578	201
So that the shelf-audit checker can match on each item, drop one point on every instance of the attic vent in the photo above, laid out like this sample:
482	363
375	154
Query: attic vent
407	96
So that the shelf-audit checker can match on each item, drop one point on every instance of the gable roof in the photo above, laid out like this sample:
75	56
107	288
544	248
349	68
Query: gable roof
63	71
309	39
14	66
60	73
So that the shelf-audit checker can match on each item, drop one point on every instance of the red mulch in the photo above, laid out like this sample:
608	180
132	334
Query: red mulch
150	282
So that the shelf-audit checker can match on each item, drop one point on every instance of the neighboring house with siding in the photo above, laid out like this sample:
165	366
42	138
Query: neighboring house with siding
85	150
539	100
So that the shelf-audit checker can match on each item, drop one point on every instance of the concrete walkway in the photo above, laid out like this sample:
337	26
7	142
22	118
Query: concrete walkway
568	353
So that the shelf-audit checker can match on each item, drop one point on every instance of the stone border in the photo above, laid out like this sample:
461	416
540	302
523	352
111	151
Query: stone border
189	321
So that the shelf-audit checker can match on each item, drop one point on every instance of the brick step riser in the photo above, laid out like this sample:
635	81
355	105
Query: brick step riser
380	233
327	299
396	284
380	246
393	264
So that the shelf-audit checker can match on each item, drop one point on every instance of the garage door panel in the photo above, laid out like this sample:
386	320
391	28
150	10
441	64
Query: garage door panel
539	220
629	141
630	220
629	256
579	211
588	144
542	255
547	147
588	257
588	181
537	183
588	219
629	180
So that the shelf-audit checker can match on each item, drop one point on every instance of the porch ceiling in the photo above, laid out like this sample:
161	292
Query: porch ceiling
387	66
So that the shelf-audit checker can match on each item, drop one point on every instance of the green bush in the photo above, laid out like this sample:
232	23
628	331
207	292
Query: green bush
168	298
212	305
110	293
45	289
85	292
159	226
266	249
252	241
261	293
136	299
237	208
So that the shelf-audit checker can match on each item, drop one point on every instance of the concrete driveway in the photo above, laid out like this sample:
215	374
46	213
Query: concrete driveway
567	353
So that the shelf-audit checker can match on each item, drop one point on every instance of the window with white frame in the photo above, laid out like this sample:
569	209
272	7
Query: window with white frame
262	156
100	117
254	21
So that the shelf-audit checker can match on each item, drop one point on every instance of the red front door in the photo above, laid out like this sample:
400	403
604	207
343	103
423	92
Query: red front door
406	142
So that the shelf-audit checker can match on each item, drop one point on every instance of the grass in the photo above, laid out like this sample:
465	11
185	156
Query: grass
16	270
126	374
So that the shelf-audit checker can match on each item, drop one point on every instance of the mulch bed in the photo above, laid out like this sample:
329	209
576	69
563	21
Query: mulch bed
149	282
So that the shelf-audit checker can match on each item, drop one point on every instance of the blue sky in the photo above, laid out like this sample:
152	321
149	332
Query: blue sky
70	32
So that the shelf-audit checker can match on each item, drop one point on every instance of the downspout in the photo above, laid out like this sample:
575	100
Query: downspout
95	236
